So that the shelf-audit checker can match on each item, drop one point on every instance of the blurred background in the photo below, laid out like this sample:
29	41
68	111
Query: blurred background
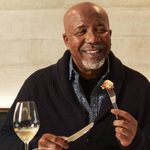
31	37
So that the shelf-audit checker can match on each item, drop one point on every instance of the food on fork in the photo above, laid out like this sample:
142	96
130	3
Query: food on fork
108	85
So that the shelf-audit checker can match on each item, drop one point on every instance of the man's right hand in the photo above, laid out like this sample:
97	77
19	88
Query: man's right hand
52	141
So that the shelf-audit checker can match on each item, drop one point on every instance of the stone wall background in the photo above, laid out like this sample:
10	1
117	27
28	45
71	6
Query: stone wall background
31	37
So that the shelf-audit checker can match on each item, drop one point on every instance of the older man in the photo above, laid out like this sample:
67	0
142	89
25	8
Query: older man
68	94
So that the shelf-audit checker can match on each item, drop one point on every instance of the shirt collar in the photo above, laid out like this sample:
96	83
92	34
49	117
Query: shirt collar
73	72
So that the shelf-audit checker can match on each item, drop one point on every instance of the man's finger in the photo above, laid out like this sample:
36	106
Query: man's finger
123	114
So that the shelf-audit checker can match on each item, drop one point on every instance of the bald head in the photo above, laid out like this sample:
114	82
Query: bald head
87	9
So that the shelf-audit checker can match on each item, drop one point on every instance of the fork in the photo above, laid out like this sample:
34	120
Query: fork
112	96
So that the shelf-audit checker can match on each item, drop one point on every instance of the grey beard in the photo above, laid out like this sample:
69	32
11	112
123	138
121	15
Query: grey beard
93	66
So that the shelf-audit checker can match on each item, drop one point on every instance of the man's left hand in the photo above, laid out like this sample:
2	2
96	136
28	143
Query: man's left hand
125	127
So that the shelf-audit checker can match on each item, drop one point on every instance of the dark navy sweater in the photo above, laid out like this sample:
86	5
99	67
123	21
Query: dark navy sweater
59	113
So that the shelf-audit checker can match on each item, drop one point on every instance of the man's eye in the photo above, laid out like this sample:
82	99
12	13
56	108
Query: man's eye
80	32
101	30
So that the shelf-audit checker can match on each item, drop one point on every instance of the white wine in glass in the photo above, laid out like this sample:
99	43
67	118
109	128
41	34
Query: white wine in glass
26	121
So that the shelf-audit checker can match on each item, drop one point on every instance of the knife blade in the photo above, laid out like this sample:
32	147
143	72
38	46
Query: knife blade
80	133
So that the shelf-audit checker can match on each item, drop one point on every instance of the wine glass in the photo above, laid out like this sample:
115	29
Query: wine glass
26	121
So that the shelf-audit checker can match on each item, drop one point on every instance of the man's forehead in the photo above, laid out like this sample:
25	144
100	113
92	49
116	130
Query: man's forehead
86	11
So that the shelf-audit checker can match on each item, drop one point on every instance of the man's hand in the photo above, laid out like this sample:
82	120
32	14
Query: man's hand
53	141
126	127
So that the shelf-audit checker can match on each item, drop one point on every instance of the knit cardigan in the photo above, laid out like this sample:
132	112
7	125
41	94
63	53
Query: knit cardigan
60	113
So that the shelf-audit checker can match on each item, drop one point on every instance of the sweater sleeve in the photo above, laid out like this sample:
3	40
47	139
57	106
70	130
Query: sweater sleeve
142	138
141	142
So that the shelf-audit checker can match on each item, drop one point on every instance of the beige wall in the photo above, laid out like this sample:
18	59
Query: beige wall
31	37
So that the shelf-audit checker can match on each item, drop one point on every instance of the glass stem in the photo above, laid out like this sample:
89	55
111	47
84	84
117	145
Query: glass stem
26	146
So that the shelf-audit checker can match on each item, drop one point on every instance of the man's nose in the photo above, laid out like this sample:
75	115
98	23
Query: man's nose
92	37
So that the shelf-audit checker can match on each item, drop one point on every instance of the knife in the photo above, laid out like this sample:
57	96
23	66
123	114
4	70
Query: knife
80	133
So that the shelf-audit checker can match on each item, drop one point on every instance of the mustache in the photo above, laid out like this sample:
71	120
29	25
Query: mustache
92	46
98	46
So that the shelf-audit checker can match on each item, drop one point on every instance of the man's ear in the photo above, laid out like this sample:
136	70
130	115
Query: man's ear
65	38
